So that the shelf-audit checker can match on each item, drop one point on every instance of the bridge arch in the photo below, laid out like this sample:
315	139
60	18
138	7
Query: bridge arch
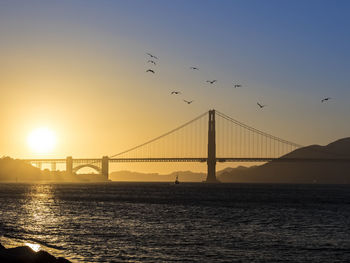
94	167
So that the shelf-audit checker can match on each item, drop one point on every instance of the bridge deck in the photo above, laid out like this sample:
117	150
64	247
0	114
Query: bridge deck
194	159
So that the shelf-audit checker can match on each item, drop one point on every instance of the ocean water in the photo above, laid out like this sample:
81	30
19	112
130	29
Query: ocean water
163	222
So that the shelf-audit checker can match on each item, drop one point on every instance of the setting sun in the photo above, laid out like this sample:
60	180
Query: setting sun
42	140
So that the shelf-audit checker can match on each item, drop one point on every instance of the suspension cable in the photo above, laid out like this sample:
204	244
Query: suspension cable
159	137
258	131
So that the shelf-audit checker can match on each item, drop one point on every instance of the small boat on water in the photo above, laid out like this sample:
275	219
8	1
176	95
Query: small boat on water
177	180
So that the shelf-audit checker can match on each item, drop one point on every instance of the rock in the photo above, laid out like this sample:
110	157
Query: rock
27	255
62	260
43	256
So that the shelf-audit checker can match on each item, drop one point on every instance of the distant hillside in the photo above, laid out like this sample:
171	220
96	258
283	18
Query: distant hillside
301	172
184	176
13	170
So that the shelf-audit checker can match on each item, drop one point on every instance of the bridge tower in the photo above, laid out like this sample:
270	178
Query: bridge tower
105	170
69	165
211	161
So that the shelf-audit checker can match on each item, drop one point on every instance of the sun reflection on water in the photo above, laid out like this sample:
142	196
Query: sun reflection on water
40	216
35	247
39	208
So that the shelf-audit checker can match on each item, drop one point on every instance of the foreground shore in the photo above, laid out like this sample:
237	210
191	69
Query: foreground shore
27	255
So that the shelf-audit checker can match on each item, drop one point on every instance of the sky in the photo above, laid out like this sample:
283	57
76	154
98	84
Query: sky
78	68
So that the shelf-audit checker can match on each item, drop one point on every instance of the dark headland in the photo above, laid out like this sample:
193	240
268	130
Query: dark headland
298	172
27	255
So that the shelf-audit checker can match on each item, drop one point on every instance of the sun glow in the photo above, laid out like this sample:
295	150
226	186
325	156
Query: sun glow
42	140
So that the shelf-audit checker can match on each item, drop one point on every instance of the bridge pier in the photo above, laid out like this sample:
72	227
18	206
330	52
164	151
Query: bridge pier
53	166
69	165
211	161
39	165
105	166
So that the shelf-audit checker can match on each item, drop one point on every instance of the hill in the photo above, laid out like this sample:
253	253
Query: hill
13	170
299	172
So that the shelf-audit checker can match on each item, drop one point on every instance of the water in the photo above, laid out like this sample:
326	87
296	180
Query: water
161	222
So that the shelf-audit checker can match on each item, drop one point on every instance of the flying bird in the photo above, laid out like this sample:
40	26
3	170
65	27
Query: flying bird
194	68
237	86
261	106
212	81
325	99
175	92
150	70
152	56
188	102
151	61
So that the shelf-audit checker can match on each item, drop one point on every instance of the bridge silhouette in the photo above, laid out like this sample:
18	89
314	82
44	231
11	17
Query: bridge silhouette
211	137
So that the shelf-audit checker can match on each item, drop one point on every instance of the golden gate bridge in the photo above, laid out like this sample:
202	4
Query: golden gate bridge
211	137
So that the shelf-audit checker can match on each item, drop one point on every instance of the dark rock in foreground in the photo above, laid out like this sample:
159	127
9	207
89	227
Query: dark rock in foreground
27	255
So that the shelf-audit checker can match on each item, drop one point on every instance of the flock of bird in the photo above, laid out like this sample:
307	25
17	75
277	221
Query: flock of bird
152	61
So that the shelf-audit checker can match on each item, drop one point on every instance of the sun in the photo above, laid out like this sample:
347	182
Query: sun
42	140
